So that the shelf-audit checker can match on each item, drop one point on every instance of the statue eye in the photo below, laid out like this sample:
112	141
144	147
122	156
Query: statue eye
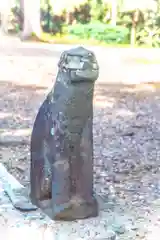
69	59
76	59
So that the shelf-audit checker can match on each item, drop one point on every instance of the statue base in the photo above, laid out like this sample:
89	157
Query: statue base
75	210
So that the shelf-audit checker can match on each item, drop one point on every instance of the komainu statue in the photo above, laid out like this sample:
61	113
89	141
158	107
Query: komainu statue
62	140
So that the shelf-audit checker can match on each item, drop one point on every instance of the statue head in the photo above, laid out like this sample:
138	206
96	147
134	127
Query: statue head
80	63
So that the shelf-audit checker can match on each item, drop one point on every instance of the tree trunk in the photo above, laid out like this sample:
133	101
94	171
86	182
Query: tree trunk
21	18
133	35
114	13
158	7
31	25
5	7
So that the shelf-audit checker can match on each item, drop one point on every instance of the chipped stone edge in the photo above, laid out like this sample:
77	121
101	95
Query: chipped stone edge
14	190
10	186
8	181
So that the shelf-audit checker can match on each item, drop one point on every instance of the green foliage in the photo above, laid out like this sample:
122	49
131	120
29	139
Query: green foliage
17	18
125	18
46	17
149	32
82	13
98	10
56	23
147	37
51	23
101	32
87	20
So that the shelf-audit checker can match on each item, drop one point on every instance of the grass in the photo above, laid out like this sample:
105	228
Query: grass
147	61
72	40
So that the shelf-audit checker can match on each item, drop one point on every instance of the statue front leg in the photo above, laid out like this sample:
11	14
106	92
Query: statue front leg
86	177
61	191
40	171
40	176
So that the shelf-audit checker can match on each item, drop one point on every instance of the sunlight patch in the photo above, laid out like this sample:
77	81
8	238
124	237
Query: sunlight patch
4	115
15	132
124	113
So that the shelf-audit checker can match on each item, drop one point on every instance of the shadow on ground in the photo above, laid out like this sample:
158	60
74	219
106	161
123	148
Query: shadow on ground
27	51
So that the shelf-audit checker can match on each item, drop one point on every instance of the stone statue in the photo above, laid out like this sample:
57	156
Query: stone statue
62	140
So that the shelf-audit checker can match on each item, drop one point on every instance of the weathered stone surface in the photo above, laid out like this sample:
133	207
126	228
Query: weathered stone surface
62	140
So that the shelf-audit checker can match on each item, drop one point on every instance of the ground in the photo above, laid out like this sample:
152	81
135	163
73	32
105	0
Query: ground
126	129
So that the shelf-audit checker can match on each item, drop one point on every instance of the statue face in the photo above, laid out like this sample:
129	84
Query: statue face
81	63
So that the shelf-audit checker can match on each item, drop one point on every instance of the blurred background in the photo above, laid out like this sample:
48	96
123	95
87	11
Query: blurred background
93	21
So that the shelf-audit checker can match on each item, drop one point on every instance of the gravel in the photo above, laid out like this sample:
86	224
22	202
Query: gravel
126	147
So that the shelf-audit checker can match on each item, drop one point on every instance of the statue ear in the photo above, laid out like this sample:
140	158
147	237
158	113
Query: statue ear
62	59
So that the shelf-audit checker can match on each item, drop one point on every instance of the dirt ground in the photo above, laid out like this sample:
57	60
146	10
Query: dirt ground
126	142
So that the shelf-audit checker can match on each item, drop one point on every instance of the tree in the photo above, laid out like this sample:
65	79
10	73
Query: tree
31	25
158	6
5	7
114	6
137	8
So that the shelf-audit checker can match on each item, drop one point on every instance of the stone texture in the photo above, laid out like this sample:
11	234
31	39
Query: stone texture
62	140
